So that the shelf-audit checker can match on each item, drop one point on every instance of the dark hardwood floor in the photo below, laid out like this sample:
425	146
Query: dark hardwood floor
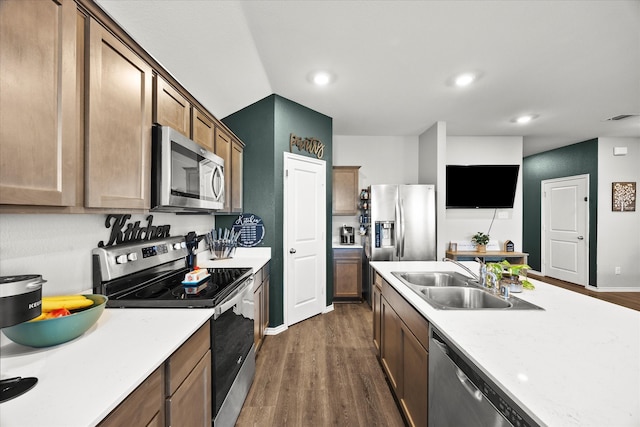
324	371
321	372
626	299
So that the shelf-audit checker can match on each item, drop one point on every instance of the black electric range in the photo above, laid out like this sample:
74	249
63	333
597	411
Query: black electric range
151	274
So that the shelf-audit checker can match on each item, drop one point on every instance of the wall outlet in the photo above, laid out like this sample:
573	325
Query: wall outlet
617	270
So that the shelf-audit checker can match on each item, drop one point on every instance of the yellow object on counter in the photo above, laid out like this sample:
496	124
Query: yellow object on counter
70	303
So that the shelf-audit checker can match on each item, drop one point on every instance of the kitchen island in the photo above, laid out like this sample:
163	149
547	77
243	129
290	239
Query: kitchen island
80	382
575	363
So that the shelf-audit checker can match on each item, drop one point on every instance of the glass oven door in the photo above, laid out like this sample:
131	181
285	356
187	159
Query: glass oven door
232	337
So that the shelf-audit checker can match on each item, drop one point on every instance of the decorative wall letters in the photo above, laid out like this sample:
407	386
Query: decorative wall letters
132	232
310	145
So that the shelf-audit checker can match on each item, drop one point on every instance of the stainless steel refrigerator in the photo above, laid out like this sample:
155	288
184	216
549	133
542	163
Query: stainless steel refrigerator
403	223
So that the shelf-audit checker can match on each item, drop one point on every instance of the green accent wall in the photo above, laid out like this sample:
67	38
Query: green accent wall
265	127
576	159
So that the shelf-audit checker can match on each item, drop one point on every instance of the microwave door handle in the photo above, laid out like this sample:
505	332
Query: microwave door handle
218	193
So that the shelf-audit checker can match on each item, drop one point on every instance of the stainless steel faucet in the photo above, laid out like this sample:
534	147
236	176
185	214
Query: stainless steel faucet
475	276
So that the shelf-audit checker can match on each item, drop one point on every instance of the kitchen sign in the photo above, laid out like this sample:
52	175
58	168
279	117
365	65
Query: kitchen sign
251	229
310	145
121	232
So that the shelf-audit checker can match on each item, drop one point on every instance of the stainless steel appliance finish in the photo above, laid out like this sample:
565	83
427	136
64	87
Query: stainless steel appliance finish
403	218
150	274
20	298
460	395
184	176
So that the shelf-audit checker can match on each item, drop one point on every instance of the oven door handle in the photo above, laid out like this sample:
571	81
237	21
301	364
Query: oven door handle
234	298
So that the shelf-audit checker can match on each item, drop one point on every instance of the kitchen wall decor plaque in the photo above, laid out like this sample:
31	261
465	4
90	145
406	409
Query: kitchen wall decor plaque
251	229
311	145
123	232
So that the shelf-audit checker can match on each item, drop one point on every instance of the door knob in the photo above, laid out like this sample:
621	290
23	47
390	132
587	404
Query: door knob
292	251
580	238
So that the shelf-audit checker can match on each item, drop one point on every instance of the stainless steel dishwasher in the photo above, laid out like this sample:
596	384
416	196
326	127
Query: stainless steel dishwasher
460	395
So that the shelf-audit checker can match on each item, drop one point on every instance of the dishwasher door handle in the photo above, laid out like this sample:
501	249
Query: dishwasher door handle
468	385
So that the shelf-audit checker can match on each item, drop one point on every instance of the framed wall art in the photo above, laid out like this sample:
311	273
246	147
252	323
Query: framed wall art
623	196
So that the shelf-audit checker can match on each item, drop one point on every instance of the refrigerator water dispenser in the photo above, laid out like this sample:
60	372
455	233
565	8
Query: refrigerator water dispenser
384	234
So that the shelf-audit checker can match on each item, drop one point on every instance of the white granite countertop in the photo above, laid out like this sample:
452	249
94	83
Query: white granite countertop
577	363
80	382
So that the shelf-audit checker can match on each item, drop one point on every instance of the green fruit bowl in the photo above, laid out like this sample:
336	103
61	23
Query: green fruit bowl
48	332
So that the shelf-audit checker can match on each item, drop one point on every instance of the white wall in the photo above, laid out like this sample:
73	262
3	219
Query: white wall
58	247
461	224
432	154
618	232
382	160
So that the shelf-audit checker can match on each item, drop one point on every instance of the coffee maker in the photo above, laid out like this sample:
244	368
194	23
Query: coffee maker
346	235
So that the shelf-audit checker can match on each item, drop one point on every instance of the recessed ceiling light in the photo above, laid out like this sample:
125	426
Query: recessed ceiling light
321	78
524	119
464	79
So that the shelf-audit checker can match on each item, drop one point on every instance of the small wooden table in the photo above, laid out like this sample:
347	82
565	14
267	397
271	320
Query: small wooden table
512	257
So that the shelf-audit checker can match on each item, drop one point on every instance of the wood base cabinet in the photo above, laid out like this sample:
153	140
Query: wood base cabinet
188	382
376	302
347	274
143	407
404	354
261	306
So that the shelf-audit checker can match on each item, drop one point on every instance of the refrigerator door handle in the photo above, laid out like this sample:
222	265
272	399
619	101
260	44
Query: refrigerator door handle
396	230
402	230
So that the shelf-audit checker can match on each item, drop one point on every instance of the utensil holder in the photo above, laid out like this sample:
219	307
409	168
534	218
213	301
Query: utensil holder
222	249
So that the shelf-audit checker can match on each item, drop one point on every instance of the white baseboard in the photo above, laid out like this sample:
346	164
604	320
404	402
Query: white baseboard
276	330
281	328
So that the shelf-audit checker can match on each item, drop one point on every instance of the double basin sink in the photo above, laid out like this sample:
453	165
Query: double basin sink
450	290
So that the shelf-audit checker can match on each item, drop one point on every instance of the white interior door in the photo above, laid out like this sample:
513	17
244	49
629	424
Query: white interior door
565	238
304	237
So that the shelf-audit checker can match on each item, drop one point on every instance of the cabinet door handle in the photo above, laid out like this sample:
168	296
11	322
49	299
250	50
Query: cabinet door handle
580	238
292	251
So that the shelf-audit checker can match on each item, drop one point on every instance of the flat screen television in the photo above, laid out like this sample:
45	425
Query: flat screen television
481	186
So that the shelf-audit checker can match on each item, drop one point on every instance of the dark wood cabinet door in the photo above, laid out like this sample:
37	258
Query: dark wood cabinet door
118	148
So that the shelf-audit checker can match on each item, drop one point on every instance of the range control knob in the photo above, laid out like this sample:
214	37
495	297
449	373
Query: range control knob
176	246
121	259
132	256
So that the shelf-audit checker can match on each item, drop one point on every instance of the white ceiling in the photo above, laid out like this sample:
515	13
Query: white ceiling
574	63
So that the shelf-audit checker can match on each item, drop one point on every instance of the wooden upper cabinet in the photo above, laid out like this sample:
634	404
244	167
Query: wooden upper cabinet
223	149
203	130
118	147
39	145
237	151
345	190
171	108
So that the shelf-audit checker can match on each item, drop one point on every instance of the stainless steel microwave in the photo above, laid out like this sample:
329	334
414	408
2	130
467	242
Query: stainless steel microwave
184	176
